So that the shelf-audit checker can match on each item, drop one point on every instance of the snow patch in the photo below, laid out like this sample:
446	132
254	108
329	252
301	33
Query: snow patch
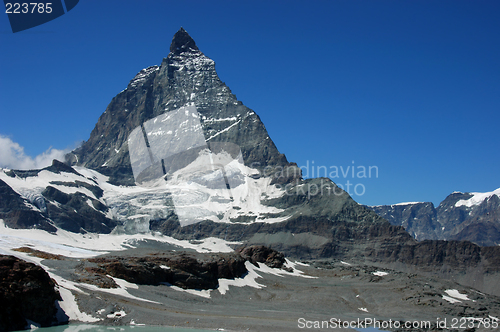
451	299
223	130
132	322
213	203
380	273
117	314
70	307
406	203
121	291
456	294
252	275
32	325
78	245
143	75
37	184
247	280
477	198
301	264
211	120
205	293
281	273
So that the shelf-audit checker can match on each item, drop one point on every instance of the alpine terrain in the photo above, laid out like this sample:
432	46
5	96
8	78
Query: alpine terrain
179	210
473	217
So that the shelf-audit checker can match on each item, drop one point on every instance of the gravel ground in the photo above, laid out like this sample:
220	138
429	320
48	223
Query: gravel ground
338	293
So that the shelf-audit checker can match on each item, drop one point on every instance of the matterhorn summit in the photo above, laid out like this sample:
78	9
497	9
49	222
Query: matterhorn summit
185	77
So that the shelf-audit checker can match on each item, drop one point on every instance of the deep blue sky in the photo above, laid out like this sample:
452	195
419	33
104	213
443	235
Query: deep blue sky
412	87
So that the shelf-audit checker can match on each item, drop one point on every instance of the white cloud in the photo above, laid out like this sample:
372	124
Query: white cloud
12	156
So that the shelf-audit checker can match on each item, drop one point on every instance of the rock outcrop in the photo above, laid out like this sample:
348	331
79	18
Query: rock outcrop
16	211
27	294
181	269
260	254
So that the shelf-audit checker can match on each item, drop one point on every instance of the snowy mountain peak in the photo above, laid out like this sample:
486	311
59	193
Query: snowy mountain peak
186	77
477	198
182	42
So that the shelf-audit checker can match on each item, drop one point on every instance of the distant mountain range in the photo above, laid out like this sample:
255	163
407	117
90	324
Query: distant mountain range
472	217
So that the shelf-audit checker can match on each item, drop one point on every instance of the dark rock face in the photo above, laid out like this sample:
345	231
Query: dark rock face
261	254
188	271
185	77
451	220
418	219
182	42
483	229
27	292
182	269
456	218
460	261
73	212
454	255
16	213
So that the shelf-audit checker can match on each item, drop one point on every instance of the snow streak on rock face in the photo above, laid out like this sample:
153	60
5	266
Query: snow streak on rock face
204	181
142	76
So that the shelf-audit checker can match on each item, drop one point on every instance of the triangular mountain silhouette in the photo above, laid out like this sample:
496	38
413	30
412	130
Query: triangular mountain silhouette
185	77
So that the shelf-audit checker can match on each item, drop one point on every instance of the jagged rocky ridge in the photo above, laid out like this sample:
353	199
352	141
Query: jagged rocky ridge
306	219
471	217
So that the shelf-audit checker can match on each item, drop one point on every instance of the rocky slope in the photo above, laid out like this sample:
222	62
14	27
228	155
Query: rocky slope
183	269
28	295
461	216
280	295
